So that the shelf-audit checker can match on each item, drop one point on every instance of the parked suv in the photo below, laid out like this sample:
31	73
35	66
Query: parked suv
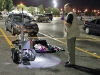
1	16
50	15
41	17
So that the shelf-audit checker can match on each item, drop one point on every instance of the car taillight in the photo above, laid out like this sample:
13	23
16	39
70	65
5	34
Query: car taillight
20	27
17	26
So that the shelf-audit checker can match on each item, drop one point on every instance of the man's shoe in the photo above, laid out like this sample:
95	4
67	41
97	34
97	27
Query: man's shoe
66	62
69	65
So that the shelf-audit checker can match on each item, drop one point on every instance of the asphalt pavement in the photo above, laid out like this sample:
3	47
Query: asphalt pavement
87	53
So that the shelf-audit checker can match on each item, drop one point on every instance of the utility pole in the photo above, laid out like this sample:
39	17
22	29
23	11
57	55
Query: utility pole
7	5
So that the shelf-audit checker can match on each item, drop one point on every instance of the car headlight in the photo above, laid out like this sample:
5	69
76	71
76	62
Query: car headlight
35	19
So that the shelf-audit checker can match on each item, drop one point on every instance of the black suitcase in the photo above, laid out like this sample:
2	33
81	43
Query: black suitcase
42	42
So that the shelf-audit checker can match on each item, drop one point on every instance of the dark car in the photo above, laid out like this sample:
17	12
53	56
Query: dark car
1	16
50	15
14	24
41	17
92	27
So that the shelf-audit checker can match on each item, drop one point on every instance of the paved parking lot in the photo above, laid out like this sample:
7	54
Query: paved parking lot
87	55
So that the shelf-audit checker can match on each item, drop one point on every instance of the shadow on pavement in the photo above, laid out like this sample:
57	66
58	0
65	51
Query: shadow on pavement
88	70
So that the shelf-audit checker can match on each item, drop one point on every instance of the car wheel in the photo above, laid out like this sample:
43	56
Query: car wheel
6	28
87	30
12	31
46	20
39	20
1	17
35	33
32	34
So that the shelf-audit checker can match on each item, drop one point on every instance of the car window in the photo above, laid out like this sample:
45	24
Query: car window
36	16
48	14
98	21
44	15
40	15
9	17
94	21
0	13
17	18
26	18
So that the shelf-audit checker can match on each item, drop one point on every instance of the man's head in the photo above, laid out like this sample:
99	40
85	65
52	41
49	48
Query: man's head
68	7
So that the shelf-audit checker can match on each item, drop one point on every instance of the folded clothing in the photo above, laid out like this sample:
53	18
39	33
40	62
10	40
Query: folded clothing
40	47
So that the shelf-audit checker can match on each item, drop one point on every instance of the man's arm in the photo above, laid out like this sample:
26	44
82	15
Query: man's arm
69	20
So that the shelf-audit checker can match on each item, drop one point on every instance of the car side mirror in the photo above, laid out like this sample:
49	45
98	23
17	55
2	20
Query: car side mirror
23	24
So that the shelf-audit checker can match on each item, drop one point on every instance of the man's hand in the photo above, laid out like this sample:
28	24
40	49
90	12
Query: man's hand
67	24
64	22
62	18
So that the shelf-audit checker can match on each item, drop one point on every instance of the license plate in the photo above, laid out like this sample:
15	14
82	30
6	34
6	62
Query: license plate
29	30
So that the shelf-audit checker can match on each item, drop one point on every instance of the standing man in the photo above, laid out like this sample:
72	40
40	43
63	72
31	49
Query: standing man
72	31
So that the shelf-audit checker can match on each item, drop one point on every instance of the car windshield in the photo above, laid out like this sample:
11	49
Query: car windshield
18	18
48	14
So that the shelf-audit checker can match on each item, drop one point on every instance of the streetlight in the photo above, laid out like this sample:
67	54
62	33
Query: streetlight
94	11
85	11
61	9
37	6
55	3
21	6
74	10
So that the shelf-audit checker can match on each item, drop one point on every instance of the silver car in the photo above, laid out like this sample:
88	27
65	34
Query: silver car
14	24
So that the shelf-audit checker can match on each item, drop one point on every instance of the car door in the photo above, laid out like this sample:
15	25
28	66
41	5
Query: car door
92	25
97	26
8	22
41	17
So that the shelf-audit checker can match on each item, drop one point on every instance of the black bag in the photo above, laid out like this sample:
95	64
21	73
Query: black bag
42	42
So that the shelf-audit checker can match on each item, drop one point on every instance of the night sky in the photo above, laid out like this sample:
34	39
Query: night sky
78	4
